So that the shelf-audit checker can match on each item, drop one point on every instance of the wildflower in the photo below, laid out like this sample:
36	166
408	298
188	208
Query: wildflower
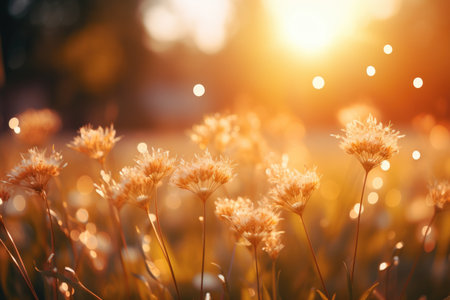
36	169
216	130
273	244
111	190
225	207
37	126
203	175
95	143
439	193
156	165
253	224
292	189
369	141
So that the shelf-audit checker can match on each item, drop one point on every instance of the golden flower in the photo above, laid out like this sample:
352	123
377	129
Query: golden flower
273	244
291	188
96	143
226	207
156	165
111	190
250	144
136	184
37	126
203	175
36	169
216	130
369	141
253	224
439	193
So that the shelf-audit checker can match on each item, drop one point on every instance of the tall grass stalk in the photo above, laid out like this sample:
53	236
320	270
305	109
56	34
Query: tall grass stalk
162	245
255	253
19	264
203	248
314	257
357	226
43	195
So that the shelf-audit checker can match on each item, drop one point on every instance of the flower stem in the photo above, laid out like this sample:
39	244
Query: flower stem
314	257
119	243
52	239
274	281
166	253
21	267
410	275
357	226
204	248
255	252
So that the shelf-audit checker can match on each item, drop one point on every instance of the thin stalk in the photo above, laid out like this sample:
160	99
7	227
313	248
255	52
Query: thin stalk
89	291
233	253
164	246
15	248
386	291
410	275
204	248
255	252
314	257
52	239
116	224
274	281
357	226
22	269
66	216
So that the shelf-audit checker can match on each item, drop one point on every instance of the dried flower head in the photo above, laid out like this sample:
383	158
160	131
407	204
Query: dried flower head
253	224
203	175
369	141
273	244
155	165
136	184
216	130
5	192
112	190
439	193
291	188
250	143
37	126
36	169
225	207
96	143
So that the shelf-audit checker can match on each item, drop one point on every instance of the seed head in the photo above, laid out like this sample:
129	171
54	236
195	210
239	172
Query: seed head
203	175
439	193
369	141
95	143
226	208
5	192
37	126
136	184
111	190
216	130
253	224
291	188
36	169
273	244
156	165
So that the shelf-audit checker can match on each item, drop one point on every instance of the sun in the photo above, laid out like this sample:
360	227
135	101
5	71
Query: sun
311	26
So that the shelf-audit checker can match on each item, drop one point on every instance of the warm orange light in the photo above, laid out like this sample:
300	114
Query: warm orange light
318	82
198	90
310	26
